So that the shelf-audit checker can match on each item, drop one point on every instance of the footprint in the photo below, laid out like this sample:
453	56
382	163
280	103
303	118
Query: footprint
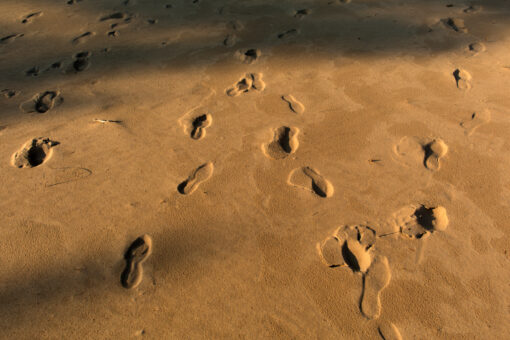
10	38
8	93
83	37
375	281
455	24
33	153
32	72
301	13
310	179
249	56
81	62
284	143
294	104
28	19
416	222
199	124
476	47
250	81
330	251
114	16
43	102
412	150
199	175
463	79
230	40
388	331
288	34
476	120
137	253
434	151
473	9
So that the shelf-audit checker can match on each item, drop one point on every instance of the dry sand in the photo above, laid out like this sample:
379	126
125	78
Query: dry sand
255	169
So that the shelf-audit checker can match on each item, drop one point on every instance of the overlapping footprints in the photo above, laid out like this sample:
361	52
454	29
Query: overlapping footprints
33	153
419	221
284	143
197	177
311	180
251	81
137	253
413	150
353	246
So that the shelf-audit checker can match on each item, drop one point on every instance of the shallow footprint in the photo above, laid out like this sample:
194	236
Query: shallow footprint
301	13
135	256
83	37
294	104
476	47
388	331
198	176
416	222
462	79
248	82
284	143
434	151
28	19
330	251
288	34
477	119
10	38
375	281
310	179
33	153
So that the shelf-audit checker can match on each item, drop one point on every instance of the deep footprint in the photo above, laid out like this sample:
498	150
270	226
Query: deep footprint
294	104
249	56
252	81
33	153
310	179
375	281
416	222
81	62
434	151
198	176
41	103
199	125
135	256
462	79
284	143
455	24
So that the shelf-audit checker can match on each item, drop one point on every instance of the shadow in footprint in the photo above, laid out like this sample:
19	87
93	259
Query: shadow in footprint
198	176
284	143
34	153
137	253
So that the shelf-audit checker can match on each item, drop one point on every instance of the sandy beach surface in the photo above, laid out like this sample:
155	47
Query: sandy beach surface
254	169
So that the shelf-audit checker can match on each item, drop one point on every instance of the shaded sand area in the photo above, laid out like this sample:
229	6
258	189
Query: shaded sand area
255	169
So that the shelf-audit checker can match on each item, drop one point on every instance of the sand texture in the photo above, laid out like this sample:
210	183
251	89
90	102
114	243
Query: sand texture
255	169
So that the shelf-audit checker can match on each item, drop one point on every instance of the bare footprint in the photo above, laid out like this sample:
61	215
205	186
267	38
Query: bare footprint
301	13
284	143
288	34
137	253
412	150
199	125
33	153
230	40
388	331
310	179
28	19
294	104
476	47
83	37
114	16
10	38
455	24
198	176
462	79
375	281
419	221
248	82
42	103
81	61
249	56
477	119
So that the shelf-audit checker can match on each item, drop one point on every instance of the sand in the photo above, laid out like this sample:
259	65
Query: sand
254	169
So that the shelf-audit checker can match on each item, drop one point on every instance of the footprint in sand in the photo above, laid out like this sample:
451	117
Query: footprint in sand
310	179
199	124
28	19
455	24
288	34
476	120
412	150
250	81
301	13
294	104
33	153
476	47
376	279
198	176
284	143
114	16
248	56
462	79
8	93
81	61
388	331
231	38
137	253
83	37
43	102
419	221
10	38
